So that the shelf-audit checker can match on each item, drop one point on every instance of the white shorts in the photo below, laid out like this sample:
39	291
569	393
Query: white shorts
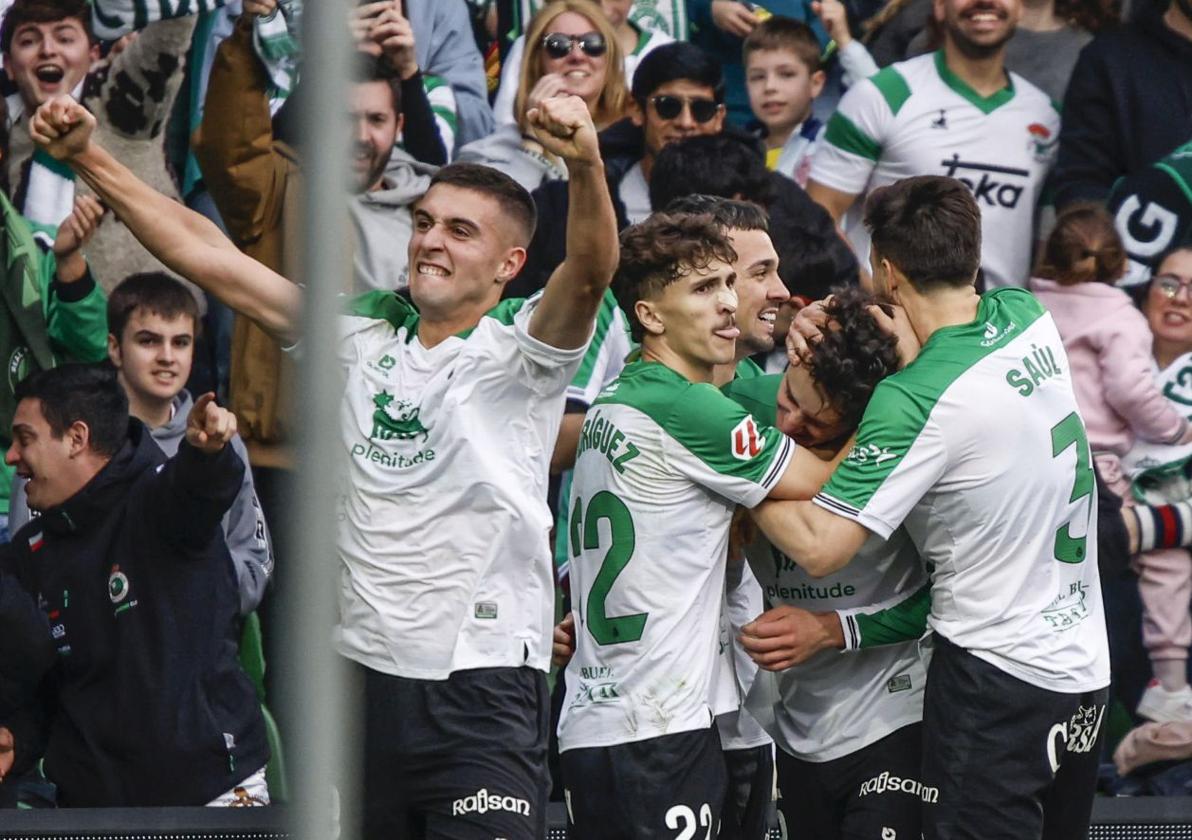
253	792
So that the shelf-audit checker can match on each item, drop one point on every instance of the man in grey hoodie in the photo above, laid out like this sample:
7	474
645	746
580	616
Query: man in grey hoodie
152	320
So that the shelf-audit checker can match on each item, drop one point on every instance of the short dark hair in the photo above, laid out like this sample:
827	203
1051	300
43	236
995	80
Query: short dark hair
678	60
783	33
43	11
811	261
929	227
508	193
368	68
728	213
713	164
77	392
155	292
661	250
854	354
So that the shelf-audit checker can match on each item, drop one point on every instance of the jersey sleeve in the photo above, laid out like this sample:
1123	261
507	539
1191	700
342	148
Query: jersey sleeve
903	619
852	142
543	366
719	445
899	454
606	354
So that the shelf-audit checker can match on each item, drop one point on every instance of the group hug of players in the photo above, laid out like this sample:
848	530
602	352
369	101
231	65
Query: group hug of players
920	486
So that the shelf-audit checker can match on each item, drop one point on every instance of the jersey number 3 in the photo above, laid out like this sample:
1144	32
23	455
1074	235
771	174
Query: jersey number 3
585	526
1069	432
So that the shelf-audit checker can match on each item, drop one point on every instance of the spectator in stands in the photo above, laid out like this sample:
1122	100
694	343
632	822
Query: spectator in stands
153	320
1129	103
955	113
1159	476
48	50
1153	211
573	51
146	704
727	166
1046	42
719	26
51	311
634	43
677	92
441	31
783	77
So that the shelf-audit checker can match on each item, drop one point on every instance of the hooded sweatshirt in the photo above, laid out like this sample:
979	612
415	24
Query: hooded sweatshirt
146	704
1108	343
244	528
382	225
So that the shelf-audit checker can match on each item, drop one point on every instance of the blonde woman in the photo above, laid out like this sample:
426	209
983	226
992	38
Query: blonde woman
573	51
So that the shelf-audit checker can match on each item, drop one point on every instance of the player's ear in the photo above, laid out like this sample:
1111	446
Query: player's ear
649	318
515	258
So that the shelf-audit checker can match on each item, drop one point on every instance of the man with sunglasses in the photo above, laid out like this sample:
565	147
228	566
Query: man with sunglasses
678	92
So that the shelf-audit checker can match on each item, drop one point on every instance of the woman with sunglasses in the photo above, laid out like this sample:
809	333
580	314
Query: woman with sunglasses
573	51
635	42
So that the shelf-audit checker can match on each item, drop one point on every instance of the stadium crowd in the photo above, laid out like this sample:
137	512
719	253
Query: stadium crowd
746	405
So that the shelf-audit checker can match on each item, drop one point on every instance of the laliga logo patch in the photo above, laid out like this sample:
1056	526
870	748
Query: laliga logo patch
746	440
117	585
1041	144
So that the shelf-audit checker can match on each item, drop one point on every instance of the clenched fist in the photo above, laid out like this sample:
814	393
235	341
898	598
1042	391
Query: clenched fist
62	127
564	127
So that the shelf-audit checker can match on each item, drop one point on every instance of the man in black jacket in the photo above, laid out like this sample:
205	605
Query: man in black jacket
146	703
1129	103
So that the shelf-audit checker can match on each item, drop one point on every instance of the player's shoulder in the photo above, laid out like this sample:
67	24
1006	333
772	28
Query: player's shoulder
1034	101
383	307
758	395
680	407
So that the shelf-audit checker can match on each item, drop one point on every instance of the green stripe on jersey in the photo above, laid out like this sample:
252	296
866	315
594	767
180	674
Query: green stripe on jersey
606	316
758	395
984	104
713	428
893	88
903	402
382	305
844	135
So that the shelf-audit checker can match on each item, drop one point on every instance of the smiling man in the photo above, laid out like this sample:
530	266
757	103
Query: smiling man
450	412
664	459
956	112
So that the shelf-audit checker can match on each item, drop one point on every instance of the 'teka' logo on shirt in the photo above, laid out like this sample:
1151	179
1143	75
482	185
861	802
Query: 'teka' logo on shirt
746	440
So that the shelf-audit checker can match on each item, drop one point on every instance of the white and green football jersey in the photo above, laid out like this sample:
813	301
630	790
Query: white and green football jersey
917	118
977	448
1159	471
836	702
662	462
444	526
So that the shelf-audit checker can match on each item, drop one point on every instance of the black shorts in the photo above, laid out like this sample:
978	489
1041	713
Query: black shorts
873	793
746	813
459	759
658	789
1010	760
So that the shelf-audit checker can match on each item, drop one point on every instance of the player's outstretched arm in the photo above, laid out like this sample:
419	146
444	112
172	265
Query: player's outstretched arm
819	541
567	311
836	202
184	241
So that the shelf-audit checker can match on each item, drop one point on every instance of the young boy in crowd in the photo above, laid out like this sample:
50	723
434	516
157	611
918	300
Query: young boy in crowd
783	77
153	321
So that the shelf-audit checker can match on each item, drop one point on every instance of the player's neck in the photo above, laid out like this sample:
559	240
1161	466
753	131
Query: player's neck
941	308
689	369
985	75
434	329
724	374
627	38
1039	16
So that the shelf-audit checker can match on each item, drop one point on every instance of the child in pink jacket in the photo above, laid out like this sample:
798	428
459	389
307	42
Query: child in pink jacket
1109	347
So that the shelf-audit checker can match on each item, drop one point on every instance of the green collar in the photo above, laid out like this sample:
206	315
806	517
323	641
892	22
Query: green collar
643	38
985	104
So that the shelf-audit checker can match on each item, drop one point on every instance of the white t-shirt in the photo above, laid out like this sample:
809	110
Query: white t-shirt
662	463
634	193
443	519
978	450
917	118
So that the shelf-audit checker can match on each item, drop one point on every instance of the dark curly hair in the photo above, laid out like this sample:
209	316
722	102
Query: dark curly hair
661	250
854	354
